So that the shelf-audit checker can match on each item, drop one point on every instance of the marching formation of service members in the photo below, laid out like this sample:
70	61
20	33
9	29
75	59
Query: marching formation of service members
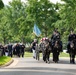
45	46
17	49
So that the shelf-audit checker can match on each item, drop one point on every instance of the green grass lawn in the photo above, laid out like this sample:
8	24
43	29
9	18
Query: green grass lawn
64	54
4	60
29	54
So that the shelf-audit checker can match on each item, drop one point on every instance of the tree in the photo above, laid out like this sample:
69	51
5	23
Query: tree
15	22
4	27
17	19
44	13
1	4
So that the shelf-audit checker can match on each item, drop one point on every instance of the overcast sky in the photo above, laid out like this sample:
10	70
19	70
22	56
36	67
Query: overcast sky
6	1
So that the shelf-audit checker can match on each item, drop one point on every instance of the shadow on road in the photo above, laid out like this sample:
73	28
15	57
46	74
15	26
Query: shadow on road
39	70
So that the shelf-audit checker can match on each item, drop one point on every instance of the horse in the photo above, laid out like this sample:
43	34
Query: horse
72	51
56	49
46	49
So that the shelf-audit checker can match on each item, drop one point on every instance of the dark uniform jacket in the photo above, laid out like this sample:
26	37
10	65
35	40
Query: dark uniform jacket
22	47
71	37
55	38
10	47
33	45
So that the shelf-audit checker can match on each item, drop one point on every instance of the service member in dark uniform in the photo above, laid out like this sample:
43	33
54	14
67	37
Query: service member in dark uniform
18	49
9	47
22	49
55	36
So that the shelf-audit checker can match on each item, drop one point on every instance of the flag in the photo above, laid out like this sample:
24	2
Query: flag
36	30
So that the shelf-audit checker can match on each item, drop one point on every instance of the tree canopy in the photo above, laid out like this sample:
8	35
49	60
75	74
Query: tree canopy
17	19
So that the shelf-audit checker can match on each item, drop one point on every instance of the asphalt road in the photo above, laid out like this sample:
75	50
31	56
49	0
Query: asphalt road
30	66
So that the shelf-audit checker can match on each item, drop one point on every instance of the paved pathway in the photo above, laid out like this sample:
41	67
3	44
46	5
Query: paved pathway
30	66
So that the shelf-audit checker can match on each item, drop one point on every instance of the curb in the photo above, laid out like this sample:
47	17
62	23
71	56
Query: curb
7	64
15	61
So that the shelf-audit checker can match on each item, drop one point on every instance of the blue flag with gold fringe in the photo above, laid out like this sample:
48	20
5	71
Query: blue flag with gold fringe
36	30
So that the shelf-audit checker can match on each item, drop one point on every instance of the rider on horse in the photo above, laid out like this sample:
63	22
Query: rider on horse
71	46
56	37
56	45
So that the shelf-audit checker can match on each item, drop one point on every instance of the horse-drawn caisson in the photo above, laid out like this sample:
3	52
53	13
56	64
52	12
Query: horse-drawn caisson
46	47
